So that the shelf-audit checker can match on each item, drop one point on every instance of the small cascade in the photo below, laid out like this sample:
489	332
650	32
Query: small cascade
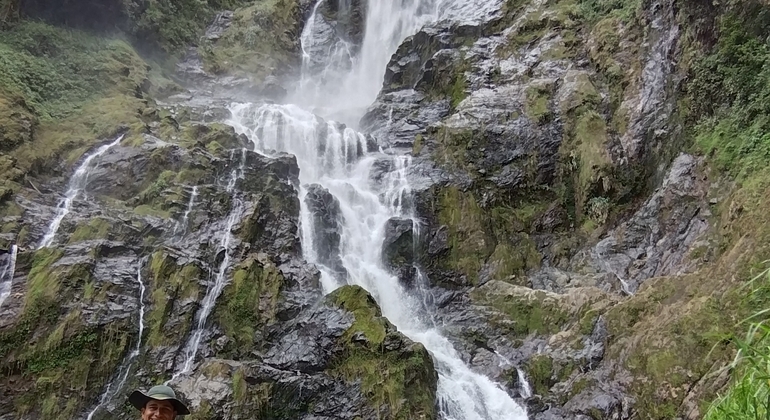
525	390
113	387
182	224
76	185
214	290
7	270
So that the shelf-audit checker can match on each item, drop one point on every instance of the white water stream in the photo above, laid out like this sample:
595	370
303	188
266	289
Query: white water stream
113	388
182	224
332	156
76	185
215	289
7	270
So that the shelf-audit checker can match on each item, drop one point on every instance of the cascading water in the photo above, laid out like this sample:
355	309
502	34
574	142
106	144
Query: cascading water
114	387
329	69
182	224
524	388
76	185
334	156
214	290
7	270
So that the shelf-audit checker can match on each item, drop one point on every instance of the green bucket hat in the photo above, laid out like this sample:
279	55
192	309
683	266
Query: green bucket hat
160	393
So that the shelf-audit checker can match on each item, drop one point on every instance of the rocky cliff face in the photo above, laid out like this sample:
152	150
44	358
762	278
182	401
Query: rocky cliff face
576	243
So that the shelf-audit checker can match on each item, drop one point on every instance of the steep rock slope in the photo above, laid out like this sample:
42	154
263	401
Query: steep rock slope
176	236
569	228
564	226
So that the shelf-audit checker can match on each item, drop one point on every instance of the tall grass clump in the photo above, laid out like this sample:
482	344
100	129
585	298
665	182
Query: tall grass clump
748	397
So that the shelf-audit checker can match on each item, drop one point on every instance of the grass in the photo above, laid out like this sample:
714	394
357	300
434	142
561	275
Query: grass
625	10
56	70
748	397
62	90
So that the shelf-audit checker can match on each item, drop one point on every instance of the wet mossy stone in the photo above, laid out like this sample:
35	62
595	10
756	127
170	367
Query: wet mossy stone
396	374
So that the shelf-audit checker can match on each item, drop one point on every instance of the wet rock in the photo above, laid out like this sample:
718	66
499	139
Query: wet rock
327	225
657	239
311	342
398	249
221	23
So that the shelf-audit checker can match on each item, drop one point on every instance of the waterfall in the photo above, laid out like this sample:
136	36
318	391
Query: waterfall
214	290
331	70
7	270
76	185
182	224
334	156
112	391
331	155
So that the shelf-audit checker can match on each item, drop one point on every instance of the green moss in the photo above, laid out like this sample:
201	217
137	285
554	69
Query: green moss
169	282
42	281
403	381
368	319
173	25
468	240
260	40
417	145
540	370
94	229
537	100
403	384
582	96
146	210
251	303
563	16
625	10
62	358
239	386
530	312
511	260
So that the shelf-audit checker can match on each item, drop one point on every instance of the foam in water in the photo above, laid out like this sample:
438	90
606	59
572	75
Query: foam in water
113	387
7	270
214	290
371	188
76	185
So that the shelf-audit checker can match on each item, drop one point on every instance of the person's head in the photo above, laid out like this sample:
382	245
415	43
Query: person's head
159	403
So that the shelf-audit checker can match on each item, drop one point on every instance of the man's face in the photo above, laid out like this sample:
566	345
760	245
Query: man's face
158	410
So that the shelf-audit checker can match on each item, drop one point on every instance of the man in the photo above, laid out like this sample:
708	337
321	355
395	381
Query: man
160	403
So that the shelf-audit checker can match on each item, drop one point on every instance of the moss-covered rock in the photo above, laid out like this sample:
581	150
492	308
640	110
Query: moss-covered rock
526	311
250	304
260	41
62	358
172	287
396	374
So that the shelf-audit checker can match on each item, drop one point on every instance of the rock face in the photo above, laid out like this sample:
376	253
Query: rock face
326	227
570	250
161	216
